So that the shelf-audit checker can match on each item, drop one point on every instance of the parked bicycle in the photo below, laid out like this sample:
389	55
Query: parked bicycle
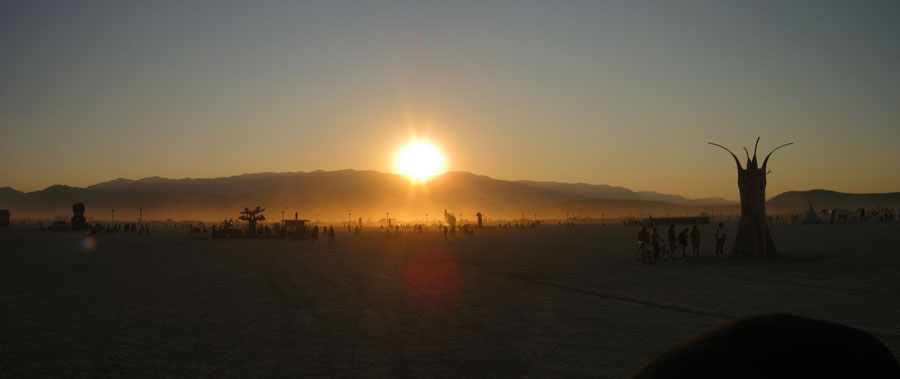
642	253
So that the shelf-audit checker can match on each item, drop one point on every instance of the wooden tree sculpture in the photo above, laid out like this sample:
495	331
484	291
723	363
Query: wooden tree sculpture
753	238
252	216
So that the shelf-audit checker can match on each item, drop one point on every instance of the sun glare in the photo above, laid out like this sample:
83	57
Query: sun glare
419	160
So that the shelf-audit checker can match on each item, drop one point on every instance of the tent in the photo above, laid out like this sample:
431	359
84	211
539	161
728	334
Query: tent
811	217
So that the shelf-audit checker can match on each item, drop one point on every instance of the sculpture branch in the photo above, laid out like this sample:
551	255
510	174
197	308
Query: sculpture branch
754	148
766	161
748	155
729	152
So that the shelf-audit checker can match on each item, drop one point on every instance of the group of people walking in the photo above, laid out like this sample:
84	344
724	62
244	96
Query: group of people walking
326	231
676	240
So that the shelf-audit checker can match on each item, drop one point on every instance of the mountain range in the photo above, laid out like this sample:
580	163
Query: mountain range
371	195
824	199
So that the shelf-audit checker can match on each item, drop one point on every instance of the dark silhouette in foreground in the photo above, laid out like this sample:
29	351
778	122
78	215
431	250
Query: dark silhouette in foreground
753	238
775	346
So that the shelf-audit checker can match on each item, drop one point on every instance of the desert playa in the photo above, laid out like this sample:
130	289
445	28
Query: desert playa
449	189
543	302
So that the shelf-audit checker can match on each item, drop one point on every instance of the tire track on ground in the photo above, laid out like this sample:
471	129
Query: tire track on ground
624	299
330	328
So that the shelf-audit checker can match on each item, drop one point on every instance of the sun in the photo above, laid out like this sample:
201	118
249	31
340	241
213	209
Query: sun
420	160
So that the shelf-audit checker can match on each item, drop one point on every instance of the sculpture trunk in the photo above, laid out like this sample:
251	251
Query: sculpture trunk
753	237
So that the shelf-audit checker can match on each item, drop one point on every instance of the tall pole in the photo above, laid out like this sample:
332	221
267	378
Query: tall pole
348	221
113	217
426	218
387	215
141	216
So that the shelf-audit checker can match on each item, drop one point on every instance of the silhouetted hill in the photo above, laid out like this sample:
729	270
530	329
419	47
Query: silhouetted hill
9	193
585	191
678	199
635	208
330	194
333	194
824	199
601	191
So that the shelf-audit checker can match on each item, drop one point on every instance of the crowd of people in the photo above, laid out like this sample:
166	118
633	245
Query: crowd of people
100	228
676	241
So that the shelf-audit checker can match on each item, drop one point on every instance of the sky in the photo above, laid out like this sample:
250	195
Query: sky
621	93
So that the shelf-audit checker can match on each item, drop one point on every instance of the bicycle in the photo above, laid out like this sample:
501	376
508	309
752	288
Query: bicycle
665	252
642	254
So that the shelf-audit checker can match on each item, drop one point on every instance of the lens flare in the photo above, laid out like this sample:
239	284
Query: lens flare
432	282
89	243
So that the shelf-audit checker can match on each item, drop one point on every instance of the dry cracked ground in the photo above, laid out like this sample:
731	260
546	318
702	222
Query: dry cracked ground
545	302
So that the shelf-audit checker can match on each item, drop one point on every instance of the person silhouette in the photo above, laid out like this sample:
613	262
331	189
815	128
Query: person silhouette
683	241
695	240
720	239
673	240
644	242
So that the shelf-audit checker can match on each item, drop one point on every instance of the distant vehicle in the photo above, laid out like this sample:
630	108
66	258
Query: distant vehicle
59	225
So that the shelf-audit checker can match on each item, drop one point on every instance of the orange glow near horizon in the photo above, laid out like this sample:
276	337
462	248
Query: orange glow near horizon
419	160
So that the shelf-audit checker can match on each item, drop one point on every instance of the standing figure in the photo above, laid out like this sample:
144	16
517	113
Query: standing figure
644	241
695	240
720	239
683	242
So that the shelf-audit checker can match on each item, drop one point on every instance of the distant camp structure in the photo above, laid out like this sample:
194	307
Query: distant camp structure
861	215
479	219
811	217
698	220
295	229
4	218
78	220
285	229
